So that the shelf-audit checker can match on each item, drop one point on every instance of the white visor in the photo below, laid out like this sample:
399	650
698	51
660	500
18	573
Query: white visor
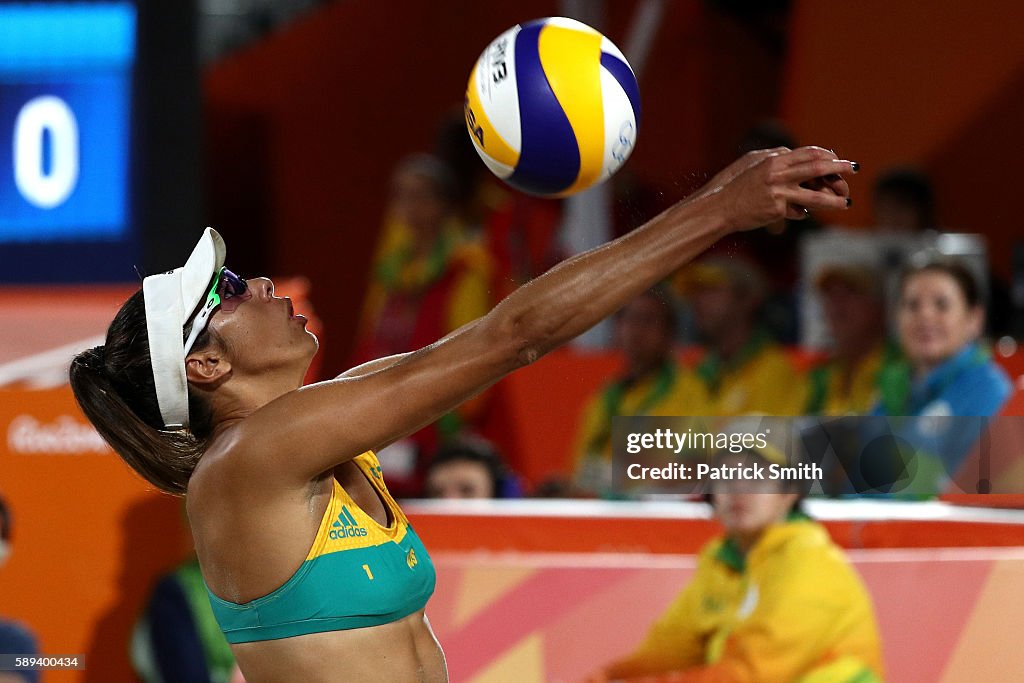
171	299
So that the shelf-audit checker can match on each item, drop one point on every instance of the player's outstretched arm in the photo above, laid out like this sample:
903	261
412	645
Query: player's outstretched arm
335	421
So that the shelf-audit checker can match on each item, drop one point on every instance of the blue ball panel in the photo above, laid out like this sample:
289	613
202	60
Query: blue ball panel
621	72
549	160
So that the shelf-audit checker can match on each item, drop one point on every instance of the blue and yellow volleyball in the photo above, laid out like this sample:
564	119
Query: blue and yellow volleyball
552	107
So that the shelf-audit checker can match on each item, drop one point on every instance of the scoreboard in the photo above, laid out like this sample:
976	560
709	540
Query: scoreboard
66	97
65	103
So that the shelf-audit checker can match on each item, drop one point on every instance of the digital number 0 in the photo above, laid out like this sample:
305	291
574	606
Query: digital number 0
39	186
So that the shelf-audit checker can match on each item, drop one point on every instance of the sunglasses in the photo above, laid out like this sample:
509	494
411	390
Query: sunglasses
227	291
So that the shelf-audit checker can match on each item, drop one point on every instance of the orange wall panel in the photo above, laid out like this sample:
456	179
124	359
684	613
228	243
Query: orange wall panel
933	84
90	537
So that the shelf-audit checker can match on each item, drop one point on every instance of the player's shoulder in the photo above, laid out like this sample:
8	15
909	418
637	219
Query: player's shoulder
235	458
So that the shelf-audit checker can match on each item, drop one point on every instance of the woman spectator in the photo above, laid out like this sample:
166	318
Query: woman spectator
947	372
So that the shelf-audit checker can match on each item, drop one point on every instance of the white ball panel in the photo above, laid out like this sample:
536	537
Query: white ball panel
499	94
619	124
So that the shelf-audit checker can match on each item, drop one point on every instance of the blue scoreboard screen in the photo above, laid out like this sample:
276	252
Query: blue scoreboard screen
66	74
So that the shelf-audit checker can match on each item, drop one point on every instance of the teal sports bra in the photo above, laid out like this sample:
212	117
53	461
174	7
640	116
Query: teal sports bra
358	573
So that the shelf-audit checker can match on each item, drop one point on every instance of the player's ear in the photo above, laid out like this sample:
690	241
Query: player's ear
207	367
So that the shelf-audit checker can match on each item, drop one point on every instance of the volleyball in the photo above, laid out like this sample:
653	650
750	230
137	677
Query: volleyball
552	107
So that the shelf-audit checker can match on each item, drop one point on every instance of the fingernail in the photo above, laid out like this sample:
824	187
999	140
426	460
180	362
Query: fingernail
855	166
848	202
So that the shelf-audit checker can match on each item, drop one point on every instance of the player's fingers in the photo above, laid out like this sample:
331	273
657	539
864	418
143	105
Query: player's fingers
837	184
795	212
757	156
813	199
802	155
810	170
834	183
771	151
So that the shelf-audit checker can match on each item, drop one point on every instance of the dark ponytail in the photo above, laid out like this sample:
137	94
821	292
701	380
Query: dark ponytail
114	387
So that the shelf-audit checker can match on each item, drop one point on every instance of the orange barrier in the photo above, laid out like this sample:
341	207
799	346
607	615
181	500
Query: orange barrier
549	590
942	614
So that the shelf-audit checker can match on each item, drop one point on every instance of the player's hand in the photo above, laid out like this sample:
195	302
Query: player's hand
768	185
737	167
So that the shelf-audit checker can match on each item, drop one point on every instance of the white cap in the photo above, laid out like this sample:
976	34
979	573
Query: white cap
171	299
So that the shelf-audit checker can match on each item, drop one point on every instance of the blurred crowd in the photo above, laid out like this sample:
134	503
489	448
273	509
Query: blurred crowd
791	319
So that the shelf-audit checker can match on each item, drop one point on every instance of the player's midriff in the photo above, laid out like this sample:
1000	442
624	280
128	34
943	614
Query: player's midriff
404	650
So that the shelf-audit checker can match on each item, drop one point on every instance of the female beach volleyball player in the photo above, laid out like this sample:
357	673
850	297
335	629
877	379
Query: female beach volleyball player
313	571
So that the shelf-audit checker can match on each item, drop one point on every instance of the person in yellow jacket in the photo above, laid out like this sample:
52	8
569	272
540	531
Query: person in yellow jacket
742	370
773	600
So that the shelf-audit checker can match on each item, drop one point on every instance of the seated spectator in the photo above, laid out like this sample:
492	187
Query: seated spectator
430	277
177	639
742	370
847	382
15	638
946	373
520	232
652	384
772	600
469	468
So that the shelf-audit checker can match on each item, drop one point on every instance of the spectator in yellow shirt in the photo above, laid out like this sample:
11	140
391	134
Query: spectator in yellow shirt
652	384
773	600
742	369
853	303
430	276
